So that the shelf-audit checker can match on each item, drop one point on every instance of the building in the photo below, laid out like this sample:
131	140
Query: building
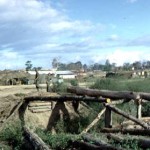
57	74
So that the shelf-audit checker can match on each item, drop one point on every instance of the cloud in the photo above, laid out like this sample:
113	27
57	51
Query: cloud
120	56
132	1
31	28
113	37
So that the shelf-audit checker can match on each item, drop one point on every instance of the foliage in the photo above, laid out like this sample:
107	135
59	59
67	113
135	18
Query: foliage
126	144
12	133
58	140
28	65
146	109
74	82
107	84
59	87
119	84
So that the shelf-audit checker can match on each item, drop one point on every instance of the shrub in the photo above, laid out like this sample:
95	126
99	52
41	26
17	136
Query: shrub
58	141
108	84
74	82
12	134
59	87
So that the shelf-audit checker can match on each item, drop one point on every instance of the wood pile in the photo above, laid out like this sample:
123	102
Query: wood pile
40	106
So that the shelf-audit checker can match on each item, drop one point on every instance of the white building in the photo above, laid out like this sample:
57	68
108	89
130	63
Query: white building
60	74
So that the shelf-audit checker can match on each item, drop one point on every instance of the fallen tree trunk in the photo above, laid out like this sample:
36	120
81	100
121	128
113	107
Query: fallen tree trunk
126	131
33	138
145	96
64	98
88	146
94	122
120	112
114	95
90	138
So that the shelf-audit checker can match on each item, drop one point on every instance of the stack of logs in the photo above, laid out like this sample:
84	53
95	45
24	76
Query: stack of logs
39	106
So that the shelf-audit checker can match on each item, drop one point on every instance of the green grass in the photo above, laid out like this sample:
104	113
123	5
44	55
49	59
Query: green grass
57	141
135	85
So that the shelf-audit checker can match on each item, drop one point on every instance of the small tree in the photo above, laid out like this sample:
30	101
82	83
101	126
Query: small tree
28	65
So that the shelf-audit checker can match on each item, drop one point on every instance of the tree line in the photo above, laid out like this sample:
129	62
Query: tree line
107	66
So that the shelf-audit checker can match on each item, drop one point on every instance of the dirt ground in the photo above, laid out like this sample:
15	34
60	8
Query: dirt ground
36	114
16	89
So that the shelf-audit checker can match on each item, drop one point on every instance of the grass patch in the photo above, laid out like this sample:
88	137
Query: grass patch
57	141
12	134
136	85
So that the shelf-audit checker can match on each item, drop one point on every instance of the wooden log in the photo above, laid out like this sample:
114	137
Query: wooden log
39	110
142	142
40	107
145	119
93	122
98	142
145	96
126	131
88	146
33	104
130	117
108	118
114	95
115	137
36	141
65	98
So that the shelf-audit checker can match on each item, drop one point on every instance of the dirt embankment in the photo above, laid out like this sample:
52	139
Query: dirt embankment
34	114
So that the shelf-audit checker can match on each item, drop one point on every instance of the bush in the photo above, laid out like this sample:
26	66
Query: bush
12	134
59	87
74	82
58	141
107	84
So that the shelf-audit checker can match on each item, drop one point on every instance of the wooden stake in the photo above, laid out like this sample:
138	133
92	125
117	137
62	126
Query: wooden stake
94	122
108	118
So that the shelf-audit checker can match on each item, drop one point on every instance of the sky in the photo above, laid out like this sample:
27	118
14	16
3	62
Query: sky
90	31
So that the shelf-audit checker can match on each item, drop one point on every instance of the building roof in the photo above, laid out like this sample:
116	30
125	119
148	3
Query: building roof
32	72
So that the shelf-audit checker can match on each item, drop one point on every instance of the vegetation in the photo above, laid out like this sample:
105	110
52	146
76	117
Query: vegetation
119	84
12	133
69	130
57	141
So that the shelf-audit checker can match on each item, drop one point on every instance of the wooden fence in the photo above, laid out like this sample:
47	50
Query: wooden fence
109	99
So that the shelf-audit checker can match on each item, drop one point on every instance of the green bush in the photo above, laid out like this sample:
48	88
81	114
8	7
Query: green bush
59	87
12	134
57	141
126	144
74	82
108	84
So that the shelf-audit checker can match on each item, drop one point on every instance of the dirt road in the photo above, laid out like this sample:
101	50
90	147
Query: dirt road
19	89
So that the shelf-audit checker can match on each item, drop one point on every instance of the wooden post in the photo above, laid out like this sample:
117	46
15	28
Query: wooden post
108	118
139	106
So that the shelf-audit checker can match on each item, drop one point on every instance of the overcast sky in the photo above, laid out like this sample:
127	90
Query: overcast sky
89	31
